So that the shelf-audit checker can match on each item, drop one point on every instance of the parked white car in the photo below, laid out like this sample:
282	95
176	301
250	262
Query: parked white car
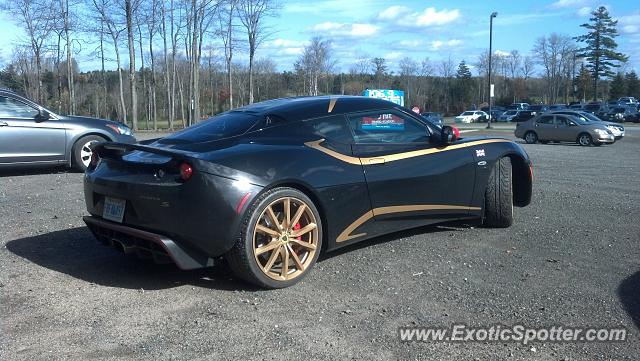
471	116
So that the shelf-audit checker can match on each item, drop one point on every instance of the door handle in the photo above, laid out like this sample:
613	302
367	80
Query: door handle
376	161
3	124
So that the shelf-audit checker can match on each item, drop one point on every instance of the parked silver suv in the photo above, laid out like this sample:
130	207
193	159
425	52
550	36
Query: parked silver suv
32	135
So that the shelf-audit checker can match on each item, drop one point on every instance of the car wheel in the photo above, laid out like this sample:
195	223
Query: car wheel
82	151
498	197
531	137
585	140
280	239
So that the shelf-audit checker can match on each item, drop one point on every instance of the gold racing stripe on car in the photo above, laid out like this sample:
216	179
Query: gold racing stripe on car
332	104
397	156
346	234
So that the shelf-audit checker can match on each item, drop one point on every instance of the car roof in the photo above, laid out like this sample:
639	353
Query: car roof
312	107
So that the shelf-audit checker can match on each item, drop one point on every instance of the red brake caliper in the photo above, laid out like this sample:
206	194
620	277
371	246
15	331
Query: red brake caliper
297	228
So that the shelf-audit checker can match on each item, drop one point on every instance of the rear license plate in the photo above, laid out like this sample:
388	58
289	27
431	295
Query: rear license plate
114	209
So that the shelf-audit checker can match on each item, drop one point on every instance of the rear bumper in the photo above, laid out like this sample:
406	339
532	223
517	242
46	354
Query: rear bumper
146	244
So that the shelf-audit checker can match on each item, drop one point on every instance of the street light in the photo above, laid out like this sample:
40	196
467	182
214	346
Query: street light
493	15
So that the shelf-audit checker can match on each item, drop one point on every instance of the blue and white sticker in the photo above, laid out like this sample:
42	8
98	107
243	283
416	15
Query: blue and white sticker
479	152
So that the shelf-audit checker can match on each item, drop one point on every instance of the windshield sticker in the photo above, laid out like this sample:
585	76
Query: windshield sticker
389	122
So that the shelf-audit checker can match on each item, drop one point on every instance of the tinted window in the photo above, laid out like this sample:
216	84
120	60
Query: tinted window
11	108
387	126
221	126
562	121
547	119
333	128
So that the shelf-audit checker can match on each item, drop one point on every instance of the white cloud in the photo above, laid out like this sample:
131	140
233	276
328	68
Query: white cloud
405	17
415	43
342	29
584	11
630	24
563	4
439	44
394	55
501	53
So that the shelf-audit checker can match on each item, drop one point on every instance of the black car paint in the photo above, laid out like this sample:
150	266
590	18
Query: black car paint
205	214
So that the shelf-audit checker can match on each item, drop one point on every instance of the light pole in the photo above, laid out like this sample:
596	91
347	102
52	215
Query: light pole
493	15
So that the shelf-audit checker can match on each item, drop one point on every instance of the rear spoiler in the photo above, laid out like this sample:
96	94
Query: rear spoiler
117	150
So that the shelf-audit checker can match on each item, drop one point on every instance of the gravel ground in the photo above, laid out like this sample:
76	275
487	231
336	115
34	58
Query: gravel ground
571	258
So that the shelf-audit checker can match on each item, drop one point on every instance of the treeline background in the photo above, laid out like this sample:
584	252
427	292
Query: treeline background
176	63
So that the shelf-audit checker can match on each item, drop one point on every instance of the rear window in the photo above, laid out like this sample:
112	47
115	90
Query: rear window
221	126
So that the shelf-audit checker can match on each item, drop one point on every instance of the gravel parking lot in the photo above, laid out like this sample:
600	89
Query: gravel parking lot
571	258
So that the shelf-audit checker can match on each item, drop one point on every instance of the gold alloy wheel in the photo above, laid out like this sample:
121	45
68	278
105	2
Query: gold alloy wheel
285	239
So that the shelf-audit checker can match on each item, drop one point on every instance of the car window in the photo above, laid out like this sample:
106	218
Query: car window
333	128
547	119
12	108
562	121
387	126
467	113
228	124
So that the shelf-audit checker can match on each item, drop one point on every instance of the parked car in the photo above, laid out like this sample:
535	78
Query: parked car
595	108
520	106
508	115
628	100
471	116
435	118
563	128
616	129
577	106
553	107
272	185
621	114
523	116
496	112
31	135
539	108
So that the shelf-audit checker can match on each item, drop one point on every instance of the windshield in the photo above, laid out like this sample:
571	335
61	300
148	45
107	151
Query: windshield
591	117
218	127
510	112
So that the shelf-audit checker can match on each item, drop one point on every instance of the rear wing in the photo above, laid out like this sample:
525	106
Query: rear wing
113	150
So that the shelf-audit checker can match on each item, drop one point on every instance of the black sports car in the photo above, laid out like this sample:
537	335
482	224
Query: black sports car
271	185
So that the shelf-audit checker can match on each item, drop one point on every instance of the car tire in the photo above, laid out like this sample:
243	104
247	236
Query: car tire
531	137
498	197
82	151
265	267
584	139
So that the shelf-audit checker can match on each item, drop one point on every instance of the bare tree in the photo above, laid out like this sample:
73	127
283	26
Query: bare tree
252	14
554	53
113	28
37	20
129	14
314	62
226	31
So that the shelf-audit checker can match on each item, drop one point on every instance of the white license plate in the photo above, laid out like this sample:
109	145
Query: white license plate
113	209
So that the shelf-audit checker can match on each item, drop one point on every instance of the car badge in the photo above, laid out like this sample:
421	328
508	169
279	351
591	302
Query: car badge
479	152
159	174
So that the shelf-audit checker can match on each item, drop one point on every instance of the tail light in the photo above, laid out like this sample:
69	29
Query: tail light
186	171
456	132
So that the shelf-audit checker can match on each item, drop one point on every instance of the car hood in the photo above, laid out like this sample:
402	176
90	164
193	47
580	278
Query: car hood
86	121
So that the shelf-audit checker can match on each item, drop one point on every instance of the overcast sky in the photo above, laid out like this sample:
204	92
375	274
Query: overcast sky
415	29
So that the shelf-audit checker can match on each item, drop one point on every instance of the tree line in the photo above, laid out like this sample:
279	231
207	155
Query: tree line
180	59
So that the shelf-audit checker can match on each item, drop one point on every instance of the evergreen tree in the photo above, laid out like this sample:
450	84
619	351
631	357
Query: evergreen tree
617	87
600	46
633	84
464	85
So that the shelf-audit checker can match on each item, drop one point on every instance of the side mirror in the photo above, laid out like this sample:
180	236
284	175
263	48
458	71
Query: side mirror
42	116
449	134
